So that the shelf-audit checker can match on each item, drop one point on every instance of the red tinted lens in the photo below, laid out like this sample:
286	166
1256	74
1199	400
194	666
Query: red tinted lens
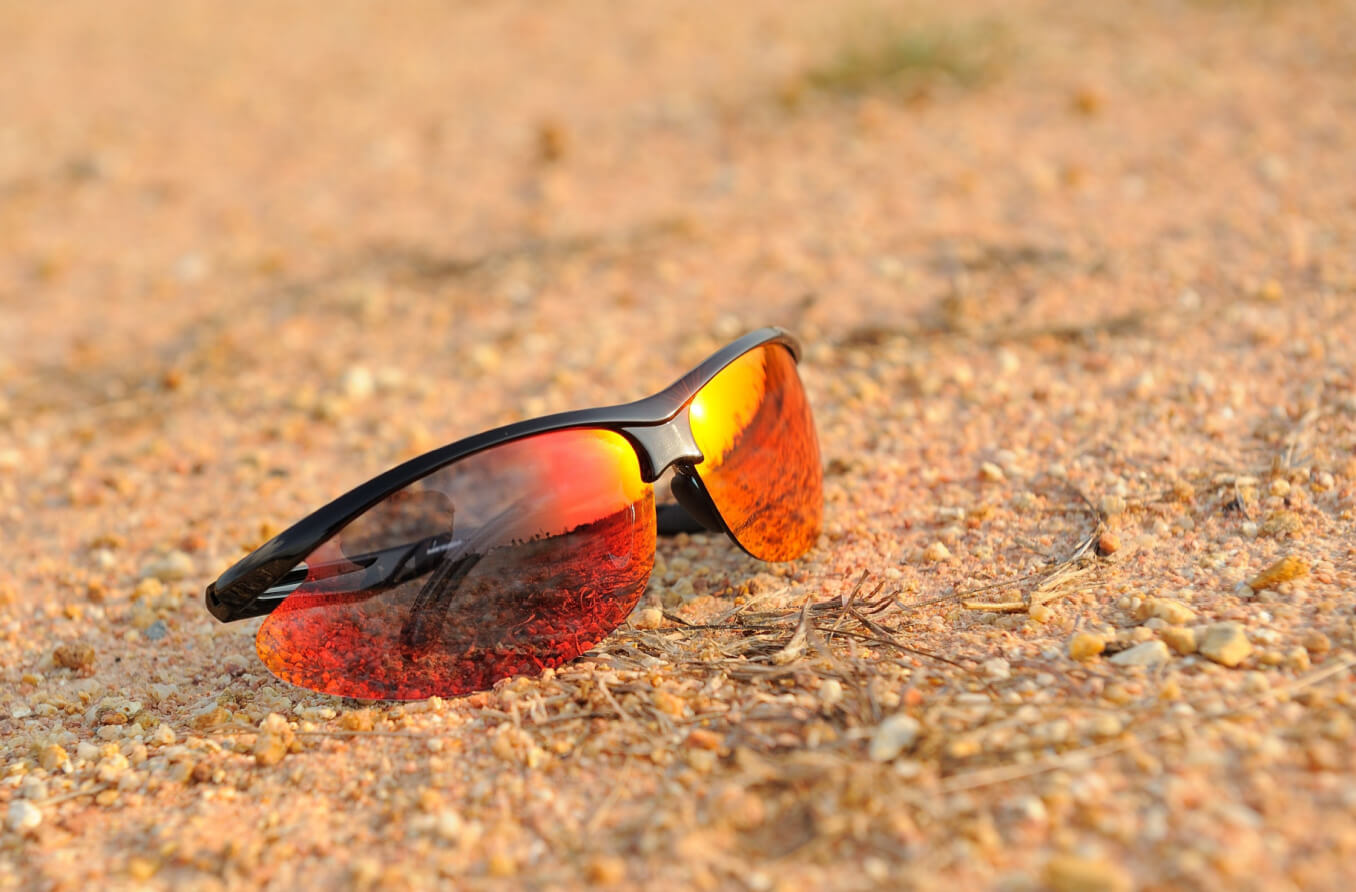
752	423
504	563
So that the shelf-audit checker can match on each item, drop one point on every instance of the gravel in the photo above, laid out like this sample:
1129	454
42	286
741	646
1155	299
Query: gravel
22	816
1079	399
1148	653
1225	643
893	736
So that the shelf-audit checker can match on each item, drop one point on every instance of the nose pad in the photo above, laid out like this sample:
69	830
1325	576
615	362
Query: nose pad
687	488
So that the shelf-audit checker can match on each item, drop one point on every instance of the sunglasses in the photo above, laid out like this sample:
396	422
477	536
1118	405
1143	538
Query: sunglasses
516	550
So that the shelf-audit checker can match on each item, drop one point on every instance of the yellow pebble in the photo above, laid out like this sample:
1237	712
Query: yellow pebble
1086	645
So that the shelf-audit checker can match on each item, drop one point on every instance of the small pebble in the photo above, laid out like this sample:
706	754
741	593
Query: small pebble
991	472
274	740
1070	873
148	588
648	618
964	748
1134	635
830	692
1040	613
1316	643
1284	570
235	664
1281	524
1028	808
113	711
357	720
668	703
156	630
78	657
211	718
141	869
1180	638
23	816
1225	643
449	825
607	870
1106	726
269	749
743	808
1170	611
1086	645
1108	543
358	383
893	736
997	668
1150	653
1112	505
111	767
936	552
32	788
701	738
52	757
171	568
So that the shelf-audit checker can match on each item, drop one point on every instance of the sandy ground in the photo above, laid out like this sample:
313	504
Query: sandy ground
1075	286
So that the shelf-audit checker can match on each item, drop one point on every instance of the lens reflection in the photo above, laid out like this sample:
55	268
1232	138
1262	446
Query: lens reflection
504	563
753	424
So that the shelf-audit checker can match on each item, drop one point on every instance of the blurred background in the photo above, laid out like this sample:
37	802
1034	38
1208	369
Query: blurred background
162	166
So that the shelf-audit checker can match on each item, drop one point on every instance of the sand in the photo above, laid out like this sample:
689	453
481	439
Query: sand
1075	288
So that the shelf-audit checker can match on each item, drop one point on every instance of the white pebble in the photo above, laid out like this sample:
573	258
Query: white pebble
648	618
172	567
1028	808
1112	505
997	668
1150	653
449	825
893	736
163	735
23	815
936	552
359	383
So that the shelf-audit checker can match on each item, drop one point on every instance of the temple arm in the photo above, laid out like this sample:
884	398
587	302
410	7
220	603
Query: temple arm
367	574
378	571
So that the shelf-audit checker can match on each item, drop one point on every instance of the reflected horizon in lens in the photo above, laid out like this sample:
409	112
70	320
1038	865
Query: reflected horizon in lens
753	424
530	554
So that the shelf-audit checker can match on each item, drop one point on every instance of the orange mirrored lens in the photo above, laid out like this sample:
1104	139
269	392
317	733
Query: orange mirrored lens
761	466
504	563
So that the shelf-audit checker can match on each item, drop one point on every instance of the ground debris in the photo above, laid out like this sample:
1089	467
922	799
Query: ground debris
1071	415
1284	570
1225	643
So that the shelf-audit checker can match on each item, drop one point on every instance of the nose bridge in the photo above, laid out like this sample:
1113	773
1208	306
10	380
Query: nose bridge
661	445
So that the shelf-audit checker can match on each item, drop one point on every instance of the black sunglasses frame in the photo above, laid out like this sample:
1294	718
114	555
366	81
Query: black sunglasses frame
656	427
